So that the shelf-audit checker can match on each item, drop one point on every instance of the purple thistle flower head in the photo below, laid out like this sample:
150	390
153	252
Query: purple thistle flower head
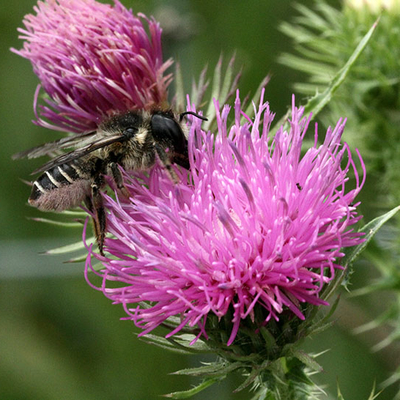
93	60
258	226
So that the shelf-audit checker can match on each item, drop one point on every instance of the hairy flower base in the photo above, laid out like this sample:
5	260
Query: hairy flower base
257	224
93	60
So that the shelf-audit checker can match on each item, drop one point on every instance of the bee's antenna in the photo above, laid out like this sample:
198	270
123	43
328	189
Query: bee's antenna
191	113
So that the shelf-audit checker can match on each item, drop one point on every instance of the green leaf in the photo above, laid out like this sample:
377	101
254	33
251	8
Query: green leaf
316	68
381	319
180	102
393	379
80	259
75	211
215	90
69	248
319	101
58	223
261	394
171	344
340	396
311	18
314	328
306	359
186	340
191	392
372	396
221	91
226	85
256	99
199	88
252	376
370	230
352	253
215	369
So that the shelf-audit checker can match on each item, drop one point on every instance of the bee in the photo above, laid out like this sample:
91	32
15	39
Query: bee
132	140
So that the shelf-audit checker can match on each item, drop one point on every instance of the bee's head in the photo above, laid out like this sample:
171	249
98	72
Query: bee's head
168	132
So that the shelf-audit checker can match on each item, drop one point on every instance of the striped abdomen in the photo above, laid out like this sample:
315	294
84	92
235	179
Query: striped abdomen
62	187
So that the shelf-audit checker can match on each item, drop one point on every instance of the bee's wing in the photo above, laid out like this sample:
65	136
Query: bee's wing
81	152
52	147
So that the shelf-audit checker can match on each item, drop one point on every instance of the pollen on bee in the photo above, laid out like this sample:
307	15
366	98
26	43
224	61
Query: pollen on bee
61	198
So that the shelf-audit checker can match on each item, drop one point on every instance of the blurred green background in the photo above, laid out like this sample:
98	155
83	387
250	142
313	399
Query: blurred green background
59	338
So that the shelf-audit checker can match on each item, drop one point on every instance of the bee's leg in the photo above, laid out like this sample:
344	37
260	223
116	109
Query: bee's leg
182	160
166	162
99	218
89	205
118	179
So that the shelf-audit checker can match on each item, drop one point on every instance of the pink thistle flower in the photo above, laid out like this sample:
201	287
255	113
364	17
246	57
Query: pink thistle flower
257	226
93	60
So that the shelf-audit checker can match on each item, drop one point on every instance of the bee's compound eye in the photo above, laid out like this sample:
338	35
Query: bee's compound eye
165	128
